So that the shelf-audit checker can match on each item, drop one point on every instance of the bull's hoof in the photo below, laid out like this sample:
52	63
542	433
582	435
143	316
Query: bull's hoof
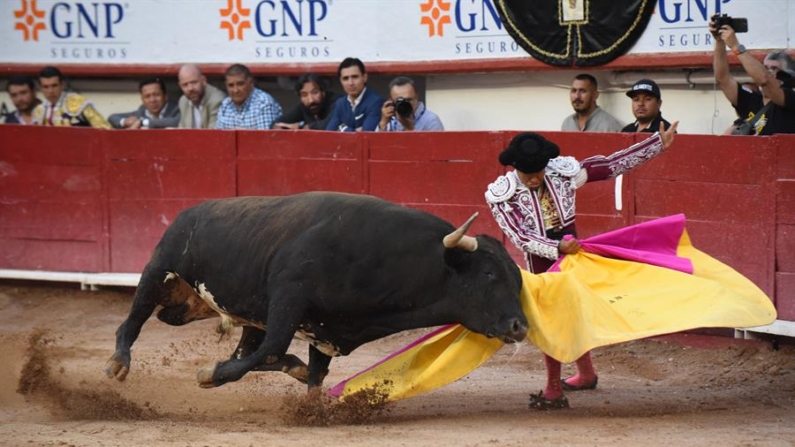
299	373
116	369
205	376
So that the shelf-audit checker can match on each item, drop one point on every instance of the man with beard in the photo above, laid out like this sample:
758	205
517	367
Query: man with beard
587	116
646	103
200	101
22	92
315	106
360	109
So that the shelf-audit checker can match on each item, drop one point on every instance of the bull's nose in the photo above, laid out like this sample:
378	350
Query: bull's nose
518	330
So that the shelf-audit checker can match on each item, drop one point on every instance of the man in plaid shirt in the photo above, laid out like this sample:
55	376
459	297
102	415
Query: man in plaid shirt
247	107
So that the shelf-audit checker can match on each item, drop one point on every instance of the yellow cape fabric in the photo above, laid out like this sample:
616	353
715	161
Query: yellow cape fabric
593	301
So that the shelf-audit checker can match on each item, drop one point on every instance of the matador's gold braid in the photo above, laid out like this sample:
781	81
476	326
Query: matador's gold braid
95	118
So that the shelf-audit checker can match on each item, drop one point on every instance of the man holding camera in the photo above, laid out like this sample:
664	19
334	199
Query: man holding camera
404	112
761	113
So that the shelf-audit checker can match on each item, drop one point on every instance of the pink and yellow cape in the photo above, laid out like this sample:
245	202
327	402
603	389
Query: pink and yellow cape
632	283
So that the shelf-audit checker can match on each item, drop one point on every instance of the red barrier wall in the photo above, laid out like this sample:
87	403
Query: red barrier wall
93	201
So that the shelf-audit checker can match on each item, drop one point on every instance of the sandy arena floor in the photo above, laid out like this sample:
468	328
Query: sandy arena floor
672	391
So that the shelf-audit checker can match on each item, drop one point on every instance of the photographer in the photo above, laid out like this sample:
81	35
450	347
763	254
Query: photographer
404	112
772	110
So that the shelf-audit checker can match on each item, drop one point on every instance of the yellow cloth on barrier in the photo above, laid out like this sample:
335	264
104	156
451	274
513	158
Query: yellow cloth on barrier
592	301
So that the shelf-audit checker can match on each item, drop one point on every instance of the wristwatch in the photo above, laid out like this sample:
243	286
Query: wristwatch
739	49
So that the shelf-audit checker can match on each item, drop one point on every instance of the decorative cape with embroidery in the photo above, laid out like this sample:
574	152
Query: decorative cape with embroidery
627	284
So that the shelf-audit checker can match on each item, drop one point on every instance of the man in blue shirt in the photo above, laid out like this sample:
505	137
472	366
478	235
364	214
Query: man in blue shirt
247	107
360	108
404	111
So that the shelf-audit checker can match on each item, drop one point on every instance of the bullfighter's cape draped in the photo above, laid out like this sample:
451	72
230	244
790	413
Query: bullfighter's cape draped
635	282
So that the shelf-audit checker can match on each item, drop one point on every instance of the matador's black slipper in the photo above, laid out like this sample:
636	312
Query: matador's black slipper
569	387
539	402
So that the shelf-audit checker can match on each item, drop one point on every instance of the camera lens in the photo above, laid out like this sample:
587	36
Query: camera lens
403	107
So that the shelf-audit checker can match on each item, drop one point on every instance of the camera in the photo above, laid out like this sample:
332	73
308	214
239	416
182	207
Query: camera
737	24
403	107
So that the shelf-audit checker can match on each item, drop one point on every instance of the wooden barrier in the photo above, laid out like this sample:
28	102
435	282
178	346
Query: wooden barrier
86	200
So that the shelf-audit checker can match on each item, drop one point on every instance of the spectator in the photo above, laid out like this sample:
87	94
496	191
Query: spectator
587	116
646	103
22	92
247	107
199	104
314	109
404	111
769	110
154	113
62	108
360	109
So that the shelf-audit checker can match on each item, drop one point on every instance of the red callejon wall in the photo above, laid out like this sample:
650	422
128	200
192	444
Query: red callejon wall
151	176
53	199
785	227
98	201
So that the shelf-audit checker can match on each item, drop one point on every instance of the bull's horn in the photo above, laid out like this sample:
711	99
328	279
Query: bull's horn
458	238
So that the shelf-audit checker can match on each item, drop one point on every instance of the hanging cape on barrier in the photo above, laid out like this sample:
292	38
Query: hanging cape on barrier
628	284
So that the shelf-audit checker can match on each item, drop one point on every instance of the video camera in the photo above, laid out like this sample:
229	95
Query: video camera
737	24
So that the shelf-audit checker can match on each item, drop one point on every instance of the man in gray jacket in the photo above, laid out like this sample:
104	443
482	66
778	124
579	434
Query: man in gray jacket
200	101
154	113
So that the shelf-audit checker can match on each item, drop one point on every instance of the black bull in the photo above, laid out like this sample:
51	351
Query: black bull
339	270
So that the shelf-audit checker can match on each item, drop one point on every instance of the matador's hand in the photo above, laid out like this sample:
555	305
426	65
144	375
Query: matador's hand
668	135
569	246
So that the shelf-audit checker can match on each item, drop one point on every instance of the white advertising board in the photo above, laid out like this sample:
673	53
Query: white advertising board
317	31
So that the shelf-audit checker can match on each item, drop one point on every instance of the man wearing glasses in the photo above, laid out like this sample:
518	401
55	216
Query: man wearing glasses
767	111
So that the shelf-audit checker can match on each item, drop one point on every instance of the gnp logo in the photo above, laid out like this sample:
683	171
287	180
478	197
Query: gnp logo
284	18
80	25
471	16
287	29
477	23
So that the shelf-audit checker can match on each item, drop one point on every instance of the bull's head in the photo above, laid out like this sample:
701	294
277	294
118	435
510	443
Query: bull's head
488	283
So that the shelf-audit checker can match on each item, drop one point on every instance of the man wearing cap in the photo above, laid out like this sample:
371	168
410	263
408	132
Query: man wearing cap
765	112
646	103
534	204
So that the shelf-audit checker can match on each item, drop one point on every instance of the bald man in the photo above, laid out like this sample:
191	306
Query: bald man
200	101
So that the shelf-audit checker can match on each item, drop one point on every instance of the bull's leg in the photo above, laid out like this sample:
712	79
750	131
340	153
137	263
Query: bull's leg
249	342
282	322
290	364
318	367
151	291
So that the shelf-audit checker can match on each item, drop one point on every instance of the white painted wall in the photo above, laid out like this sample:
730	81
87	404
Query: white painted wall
540	101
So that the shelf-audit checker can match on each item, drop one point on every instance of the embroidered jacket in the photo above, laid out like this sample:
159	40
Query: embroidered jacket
518	210
70	110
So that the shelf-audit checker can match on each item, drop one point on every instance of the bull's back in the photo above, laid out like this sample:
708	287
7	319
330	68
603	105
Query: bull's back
247	231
